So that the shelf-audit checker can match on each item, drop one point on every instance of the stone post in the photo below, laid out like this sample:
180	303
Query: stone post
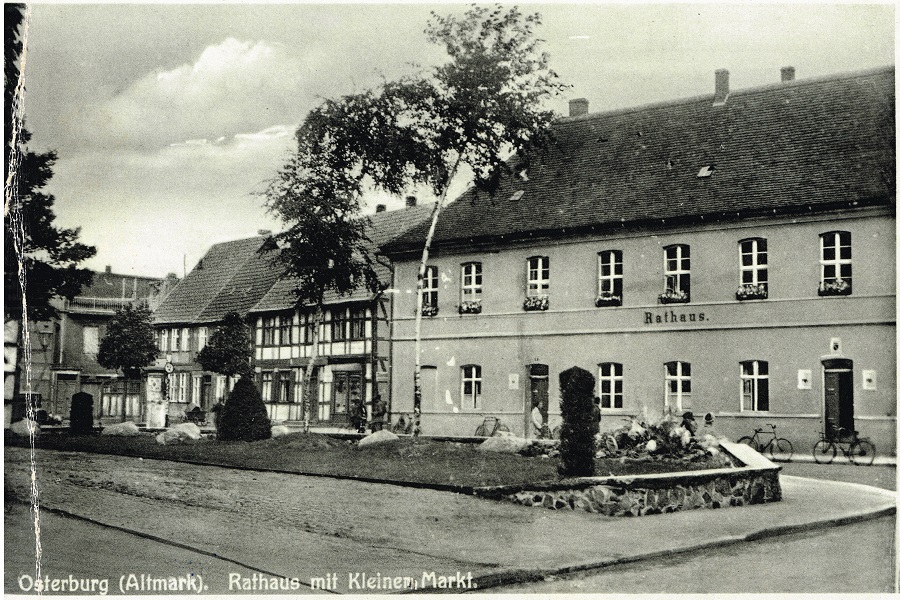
157	403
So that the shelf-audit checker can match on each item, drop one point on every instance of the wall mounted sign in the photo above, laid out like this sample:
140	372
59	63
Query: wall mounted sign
835	345
870	379
804	379
513	381
670	316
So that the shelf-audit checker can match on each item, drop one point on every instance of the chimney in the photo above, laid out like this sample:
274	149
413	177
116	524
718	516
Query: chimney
578	107
109	268
721	87
410	201
263	232
380	208
787	74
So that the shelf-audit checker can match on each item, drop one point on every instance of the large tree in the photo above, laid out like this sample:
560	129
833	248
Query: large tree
40	260
230	348
483	109
129	344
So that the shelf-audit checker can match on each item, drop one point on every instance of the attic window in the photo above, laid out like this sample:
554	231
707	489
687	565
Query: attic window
517	195
706	171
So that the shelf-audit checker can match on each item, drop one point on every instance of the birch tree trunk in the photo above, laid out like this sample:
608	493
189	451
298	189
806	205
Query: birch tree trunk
420	279
318	316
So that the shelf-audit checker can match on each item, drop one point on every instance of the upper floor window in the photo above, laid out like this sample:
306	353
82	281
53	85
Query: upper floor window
754	385
339	325
268	331
164	339
836	268
430	292
358	323
471	386
202	337
91	340
308	327
678	385
176	339
185	338
677	271
470	301
609	379
538	275
609	278
754	263
284	330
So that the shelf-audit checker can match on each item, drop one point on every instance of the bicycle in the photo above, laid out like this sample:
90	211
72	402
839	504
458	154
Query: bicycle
492	425
859	450
779	448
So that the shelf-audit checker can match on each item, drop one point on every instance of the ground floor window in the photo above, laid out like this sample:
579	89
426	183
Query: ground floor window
266	390
471	386
755	385
609	381
678	385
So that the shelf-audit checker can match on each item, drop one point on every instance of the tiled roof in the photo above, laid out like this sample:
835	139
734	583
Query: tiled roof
803	145
113	285
384	227
231	276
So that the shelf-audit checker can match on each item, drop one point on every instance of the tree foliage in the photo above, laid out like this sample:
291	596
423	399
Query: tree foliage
576	448
40	260
244	416
229	349
129	343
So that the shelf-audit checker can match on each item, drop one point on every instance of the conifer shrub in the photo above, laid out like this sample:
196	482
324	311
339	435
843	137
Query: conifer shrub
81	414
576	448
244	415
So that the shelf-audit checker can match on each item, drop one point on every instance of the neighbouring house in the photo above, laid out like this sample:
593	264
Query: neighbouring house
232	276
64	349
353	360
731	254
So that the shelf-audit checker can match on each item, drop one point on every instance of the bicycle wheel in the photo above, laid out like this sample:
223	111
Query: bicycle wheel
749	441
824	452
781	450
479	431
862	452
501	427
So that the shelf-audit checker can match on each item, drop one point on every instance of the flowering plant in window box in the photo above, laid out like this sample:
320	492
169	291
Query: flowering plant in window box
429	310
671	296
470	307
752	291
835	287
608	299
537	303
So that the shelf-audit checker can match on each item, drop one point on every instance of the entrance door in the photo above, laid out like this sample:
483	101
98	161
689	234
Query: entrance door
838	396
538	392
66	386
347	388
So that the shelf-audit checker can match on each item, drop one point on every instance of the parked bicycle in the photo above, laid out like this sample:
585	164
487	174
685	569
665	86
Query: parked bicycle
859	450
778	448
489	427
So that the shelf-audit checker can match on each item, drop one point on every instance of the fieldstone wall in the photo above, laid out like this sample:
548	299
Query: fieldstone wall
678	493
754	481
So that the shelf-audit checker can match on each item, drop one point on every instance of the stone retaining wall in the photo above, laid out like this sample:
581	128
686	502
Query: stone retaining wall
638	495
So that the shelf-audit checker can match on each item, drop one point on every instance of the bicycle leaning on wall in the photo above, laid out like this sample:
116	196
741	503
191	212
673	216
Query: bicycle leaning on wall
859	450
778	448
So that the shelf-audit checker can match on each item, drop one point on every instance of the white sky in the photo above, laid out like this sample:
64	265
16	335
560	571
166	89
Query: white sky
169	118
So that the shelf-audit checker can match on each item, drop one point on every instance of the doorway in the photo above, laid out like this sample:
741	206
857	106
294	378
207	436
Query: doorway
838	396
539	396
347	389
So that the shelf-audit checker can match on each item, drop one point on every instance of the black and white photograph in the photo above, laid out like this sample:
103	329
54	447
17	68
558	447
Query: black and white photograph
505	298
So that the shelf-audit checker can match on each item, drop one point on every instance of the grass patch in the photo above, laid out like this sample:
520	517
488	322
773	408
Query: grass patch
410	460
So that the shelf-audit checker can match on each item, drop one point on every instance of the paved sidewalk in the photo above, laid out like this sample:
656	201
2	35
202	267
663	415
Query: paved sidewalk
840	459
296	526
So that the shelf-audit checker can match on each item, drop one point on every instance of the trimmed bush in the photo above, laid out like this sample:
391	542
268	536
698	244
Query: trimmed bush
244	416
576	448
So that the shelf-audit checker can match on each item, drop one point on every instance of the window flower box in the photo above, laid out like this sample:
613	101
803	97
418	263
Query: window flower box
608	299
536	303
470	307
674	297
429	311
835	287
752	291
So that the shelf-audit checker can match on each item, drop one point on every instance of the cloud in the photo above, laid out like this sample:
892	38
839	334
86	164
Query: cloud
233	87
